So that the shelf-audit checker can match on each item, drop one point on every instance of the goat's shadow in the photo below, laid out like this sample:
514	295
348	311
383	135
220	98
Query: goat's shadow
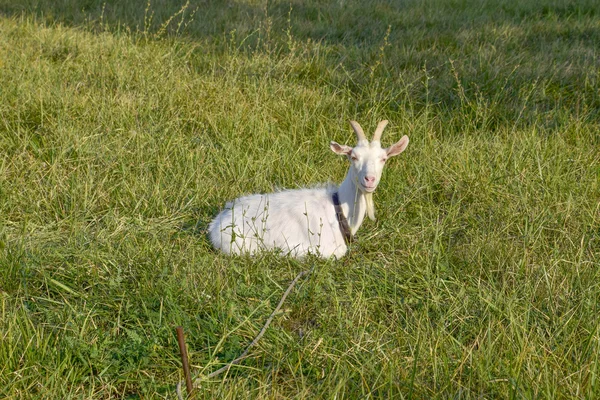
198	224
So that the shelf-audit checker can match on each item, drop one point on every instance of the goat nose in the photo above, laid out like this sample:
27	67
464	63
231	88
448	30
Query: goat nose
369	179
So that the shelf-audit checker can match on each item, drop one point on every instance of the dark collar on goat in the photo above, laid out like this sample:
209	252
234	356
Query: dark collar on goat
344	226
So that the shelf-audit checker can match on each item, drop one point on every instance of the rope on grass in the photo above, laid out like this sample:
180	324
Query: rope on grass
254	342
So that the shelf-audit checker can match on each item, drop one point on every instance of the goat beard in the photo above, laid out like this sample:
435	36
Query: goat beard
370	206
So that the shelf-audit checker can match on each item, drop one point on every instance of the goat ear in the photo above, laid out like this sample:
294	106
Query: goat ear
340	149
397	147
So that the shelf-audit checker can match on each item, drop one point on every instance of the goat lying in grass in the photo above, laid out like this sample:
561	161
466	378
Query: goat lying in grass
320	220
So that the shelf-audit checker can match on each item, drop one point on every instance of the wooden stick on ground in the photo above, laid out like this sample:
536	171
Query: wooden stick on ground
184	361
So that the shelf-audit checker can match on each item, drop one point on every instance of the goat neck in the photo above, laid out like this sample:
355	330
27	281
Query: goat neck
353	203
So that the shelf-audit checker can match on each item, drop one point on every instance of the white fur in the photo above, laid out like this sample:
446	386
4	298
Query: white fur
302	221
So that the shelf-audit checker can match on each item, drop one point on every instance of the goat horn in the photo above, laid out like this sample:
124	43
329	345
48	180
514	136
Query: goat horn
360	134
379	130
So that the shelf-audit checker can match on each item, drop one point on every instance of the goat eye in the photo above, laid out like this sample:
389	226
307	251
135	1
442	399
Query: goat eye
353	157
383	159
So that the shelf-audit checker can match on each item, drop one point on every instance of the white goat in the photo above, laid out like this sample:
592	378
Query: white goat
320	220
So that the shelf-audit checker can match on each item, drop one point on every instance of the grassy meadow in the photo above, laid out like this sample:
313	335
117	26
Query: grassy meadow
126	126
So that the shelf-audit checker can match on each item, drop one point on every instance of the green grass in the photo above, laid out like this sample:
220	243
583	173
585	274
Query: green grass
125	127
